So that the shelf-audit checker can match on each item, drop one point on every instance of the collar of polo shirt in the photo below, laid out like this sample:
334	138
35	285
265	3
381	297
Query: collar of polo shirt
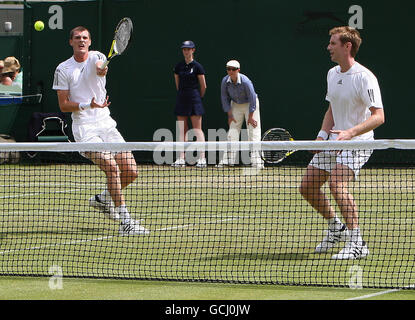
238	80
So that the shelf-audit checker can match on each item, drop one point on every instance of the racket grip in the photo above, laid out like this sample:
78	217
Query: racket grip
104	65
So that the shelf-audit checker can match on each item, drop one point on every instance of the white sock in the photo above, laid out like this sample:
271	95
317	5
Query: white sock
105	196
356	236
124	214
335	224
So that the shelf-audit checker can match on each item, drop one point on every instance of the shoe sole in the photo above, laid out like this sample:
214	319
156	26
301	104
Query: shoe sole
364	254
135	233
103	208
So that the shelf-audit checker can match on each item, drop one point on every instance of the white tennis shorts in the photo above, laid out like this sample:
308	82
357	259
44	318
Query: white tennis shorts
353	159
102	131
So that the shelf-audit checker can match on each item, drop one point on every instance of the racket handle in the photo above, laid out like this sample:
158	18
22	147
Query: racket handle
104	65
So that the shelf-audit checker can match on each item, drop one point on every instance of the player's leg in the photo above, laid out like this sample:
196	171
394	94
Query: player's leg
349	164
112	195
200	137
127	174
317	174
128	167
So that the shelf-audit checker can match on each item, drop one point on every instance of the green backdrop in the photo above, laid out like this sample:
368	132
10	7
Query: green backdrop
281	47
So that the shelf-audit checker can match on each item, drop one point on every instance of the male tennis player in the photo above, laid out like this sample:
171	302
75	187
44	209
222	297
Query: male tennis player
355	110
80	84
241	103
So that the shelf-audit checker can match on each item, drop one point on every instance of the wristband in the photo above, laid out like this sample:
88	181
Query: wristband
323	134
84	106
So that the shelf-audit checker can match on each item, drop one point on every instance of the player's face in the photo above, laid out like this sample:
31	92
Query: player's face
80	42
338	50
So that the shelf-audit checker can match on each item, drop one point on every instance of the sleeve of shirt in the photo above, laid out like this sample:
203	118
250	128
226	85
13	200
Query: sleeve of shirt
226	99
60	79
98	56
370	91
176	69
328	81
200	69
250	92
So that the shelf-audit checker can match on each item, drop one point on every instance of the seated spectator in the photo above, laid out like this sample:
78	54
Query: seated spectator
10	71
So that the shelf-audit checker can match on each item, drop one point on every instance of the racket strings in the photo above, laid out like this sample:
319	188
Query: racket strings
122	36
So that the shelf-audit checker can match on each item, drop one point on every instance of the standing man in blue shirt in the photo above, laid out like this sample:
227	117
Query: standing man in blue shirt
240	102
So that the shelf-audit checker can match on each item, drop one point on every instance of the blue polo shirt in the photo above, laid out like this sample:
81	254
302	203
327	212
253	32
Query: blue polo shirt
188	74
240	92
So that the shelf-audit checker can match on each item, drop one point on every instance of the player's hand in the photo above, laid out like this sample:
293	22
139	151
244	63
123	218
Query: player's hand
101	72
342	134
317	151
98	105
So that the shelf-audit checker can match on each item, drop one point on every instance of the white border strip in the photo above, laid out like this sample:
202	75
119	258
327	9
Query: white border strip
208	146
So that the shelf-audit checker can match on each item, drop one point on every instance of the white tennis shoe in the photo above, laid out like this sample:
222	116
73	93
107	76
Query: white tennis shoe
180	162
352	250
105	207
224	163
332	239
132	228
201	163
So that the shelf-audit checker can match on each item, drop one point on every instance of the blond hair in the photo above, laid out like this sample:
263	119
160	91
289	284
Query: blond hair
348	34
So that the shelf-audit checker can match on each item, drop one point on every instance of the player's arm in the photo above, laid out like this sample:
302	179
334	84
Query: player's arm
327	125
101	72
70	106
376	119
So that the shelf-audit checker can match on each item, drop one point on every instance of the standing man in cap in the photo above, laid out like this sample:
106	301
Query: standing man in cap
240	102
189	76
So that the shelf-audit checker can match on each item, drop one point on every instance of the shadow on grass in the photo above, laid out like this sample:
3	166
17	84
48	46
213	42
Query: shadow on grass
258	256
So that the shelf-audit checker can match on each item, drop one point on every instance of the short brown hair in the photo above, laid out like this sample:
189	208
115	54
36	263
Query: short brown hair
80	29
348	34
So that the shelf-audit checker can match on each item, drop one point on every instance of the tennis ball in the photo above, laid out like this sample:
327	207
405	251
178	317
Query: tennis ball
39	25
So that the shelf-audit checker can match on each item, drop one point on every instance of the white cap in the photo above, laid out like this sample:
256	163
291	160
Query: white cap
233	64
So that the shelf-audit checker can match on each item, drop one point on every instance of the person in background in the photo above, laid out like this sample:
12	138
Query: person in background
241	104
10	70
189	76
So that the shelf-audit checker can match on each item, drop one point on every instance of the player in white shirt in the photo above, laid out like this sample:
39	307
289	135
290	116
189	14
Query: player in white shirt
80	85
355	110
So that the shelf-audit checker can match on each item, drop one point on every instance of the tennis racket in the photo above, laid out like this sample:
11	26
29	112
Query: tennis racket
276	156
122	39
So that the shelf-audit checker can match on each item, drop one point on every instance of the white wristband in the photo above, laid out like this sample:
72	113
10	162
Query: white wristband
83	106
323	134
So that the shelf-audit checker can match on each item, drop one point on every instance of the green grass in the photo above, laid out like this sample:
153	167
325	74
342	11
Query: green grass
224	225
29	288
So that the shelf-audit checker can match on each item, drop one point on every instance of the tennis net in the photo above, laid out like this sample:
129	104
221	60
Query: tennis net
237	224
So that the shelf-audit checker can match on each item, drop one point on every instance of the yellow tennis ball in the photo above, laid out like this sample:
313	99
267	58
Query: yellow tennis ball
39	25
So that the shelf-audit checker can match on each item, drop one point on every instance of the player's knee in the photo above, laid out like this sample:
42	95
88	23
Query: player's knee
112	170
305	190
132	174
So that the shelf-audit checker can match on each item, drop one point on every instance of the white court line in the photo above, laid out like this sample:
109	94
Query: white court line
368	296
101	238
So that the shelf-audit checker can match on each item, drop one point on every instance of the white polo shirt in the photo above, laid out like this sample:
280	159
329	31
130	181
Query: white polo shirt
83	83
351	94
